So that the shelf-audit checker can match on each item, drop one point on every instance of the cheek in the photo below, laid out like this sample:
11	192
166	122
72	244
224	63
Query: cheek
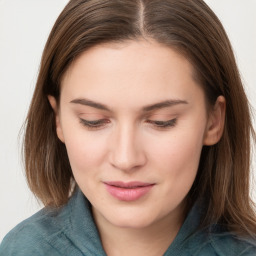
84	151
180	148
179	157
186	150
86	157
177	162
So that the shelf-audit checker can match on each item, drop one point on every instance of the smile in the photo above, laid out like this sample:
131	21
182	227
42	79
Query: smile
130	191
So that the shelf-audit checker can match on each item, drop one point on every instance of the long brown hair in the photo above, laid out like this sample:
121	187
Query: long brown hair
190	27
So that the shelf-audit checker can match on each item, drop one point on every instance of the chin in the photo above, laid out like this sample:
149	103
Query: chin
132	220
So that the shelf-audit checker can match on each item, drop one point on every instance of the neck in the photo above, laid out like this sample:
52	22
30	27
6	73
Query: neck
152	240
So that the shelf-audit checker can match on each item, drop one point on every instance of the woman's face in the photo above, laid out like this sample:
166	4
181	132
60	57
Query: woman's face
134	122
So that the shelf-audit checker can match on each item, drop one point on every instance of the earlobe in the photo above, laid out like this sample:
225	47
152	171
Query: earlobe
54	105
216	121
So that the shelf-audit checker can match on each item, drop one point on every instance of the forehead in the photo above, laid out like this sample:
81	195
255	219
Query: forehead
133	69
133	56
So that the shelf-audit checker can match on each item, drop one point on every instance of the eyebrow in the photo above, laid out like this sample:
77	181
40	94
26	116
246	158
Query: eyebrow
90	103
163	104
159	105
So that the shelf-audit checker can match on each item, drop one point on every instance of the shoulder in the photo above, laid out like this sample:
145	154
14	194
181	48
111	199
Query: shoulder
229	244
34	235
214	240
69	230
222	244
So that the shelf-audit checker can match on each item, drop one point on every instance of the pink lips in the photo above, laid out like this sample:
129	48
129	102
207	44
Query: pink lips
130	191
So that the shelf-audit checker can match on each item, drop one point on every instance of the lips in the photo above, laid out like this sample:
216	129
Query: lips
129	191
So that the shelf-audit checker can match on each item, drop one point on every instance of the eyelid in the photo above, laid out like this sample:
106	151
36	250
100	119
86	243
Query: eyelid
91	116
94	124
101	123
163	124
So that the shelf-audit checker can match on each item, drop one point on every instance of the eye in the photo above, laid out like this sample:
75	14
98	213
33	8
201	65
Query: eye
163	124
94	124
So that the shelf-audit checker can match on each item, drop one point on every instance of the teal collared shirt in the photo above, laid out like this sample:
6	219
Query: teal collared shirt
71	231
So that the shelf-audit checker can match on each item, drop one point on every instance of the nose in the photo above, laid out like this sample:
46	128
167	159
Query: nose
127	152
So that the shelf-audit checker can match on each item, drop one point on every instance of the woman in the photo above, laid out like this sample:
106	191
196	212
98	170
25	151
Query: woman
138	136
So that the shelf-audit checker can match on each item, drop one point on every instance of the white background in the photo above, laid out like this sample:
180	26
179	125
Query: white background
24	27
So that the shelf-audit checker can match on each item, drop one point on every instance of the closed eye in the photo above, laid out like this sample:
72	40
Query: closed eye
100	123
94	124
163	124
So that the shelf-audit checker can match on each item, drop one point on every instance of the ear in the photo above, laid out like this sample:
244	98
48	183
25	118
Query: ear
216	121
54	105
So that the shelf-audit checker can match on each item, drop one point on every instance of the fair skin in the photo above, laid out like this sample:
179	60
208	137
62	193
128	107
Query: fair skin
132	112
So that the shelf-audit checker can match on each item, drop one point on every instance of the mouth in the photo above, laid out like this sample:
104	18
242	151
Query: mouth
128	191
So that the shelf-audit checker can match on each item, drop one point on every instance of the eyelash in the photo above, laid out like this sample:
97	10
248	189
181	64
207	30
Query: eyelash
94	124
163	124
97	124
